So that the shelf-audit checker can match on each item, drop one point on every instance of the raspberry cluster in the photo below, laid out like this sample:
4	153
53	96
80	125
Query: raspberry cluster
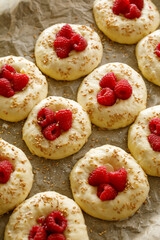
50	228
111	90
54	123
154	137
67	40
129	8
11	81
108	183
157	50
6	169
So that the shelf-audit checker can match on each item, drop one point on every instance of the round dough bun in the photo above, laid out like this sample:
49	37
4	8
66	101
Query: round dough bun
127	202
148	61
138	143
124	30
68	142
42	204
77	64
17	107
19	185
123	112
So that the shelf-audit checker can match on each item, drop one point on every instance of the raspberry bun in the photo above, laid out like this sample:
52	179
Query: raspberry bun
22	86
47	216
144	140
148	57
107	183
68	51
16	176
126	21
113	95
56	128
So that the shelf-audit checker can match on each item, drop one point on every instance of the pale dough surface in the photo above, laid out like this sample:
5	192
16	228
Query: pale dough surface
68	142
148	61
19	185
121	29
138	143
77	64
17	107
127	202
123	112
42	204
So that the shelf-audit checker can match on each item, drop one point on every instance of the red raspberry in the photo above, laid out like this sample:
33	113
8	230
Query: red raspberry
154	141
108	81
98	176
133	12
51	132
6	88
154	125
64	118
106	97
157	50
106	192
118	179
41	220
56	236
79	43
5	171
45	117
7	72
62	47
120	6
158	129
66	31
138	3
123	89
19	81
55	222
37	233
9	68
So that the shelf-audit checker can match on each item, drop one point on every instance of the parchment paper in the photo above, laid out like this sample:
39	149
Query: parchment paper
20	25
